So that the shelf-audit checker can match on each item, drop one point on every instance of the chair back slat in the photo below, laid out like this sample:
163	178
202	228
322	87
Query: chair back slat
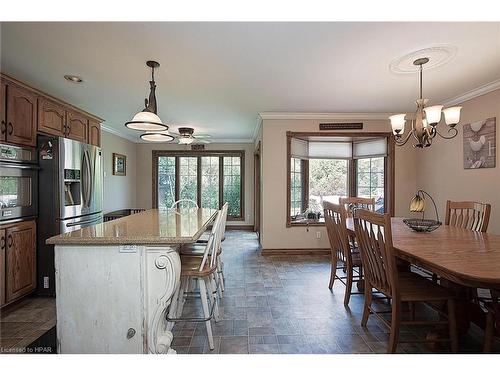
352	203
218	234
335	221
212	242
468	215
374	236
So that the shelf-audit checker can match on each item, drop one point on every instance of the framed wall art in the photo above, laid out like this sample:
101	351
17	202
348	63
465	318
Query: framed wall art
119	164
480	144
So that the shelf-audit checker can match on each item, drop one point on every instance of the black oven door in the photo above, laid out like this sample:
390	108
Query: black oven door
18	191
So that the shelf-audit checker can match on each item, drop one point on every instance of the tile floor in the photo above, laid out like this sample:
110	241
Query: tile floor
25	322
283	305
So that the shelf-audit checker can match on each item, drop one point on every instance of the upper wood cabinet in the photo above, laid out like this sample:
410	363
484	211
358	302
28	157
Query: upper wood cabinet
3	113
94	133
3	245
20	259
51	117
20	109
24	111
77	126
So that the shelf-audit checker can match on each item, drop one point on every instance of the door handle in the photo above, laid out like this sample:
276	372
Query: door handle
3	128
11	128
69	225
2	243
11	240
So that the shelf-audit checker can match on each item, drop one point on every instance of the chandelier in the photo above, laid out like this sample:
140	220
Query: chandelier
426	119
147	120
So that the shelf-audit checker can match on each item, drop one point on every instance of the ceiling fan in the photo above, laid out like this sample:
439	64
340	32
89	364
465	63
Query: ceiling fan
186	136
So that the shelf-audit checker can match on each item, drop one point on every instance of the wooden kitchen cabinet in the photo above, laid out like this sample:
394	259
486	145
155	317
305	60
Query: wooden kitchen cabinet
51	117
20	115
3	114
77	126
20	259
2	266
94	133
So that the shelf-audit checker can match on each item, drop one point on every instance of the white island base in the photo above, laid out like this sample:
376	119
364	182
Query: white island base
113	299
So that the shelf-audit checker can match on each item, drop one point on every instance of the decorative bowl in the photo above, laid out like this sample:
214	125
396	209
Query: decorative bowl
422	225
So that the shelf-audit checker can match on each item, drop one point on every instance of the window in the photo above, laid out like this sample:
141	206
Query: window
328	180
210	182
188	184
324	167
207	178
296	206
232	184
370	180
166	181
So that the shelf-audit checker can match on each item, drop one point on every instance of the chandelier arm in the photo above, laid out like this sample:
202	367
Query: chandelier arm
401	141
454	132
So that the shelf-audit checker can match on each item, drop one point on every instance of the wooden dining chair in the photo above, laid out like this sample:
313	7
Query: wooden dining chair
492	328
340	247
374	236
352	203
468	215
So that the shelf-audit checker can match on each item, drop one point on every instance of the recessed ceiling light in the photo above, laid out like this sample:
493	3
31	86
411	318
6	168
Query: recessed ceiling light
73	79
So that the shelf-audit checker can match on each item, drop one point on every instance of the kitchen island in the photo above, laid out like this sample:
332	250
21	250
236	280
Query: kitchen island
115	280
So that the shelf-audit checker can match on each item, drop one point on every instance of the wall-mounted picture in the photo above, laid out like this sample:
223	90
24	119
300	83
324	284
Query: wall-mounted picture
480	144
119	164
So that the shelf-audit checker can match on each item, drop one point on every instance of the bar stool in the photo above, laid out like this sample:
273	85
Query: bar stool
204	270
197	249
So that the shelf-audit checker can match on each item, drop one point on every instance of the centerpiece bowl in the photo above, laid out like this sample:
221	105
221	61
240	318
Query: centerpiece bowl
422	225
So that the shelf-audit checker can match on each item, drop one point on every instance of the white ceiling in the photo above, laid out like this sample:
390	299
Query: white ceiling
217	77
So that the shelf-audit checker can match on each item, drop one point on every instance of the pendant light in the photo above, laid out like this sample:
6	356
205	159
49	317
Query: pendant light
147	120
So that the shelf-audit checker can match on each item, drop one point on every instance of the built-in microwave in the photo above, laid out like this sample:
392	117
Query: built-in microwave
18	183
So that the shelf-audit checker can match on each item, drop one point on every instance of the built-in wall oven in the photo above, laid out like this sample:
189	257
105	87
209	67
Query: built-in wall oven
18	183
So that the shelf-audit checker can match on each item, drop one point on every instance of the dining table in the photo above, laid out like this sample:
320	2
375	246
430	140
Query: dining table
463	259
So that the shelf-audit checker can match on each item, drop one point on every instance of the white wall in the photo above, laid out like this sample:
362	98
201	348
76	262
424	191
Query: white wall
119	191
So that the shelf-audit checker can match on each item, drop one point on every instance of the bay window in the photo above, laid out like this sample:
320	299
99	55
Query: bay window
325	167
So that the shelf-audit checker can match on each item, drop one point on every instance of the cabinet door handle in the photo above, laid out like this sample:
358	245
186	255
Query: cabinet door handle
11	240
3	129
2	243
11	128
69	128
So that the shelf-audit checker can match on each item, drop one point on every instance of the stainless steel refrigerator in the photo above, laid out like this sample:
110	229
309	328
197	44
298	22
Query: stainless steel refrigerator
70	196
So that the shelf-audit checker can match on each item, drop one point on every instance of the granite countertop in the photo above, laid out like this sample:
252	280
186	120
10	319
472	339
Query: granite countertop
151	227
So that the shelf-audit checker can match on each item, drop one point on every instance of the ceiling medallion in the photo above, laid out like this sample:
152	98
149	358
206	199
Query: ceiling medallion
147	120
438	55
424	124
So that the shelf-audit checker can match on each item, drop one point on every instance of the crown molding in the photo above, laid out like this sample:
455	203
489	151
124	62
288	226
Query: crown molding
257	128
474	93
109	129
323	116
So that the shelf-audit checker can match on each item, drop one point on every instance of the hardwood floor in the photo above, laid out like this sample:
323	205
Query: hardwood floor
283	305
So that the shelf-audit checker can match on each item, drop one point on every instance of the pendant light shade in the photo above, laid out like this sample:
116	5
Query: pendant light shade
398	123
433	114
147	120
452	115
163	136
